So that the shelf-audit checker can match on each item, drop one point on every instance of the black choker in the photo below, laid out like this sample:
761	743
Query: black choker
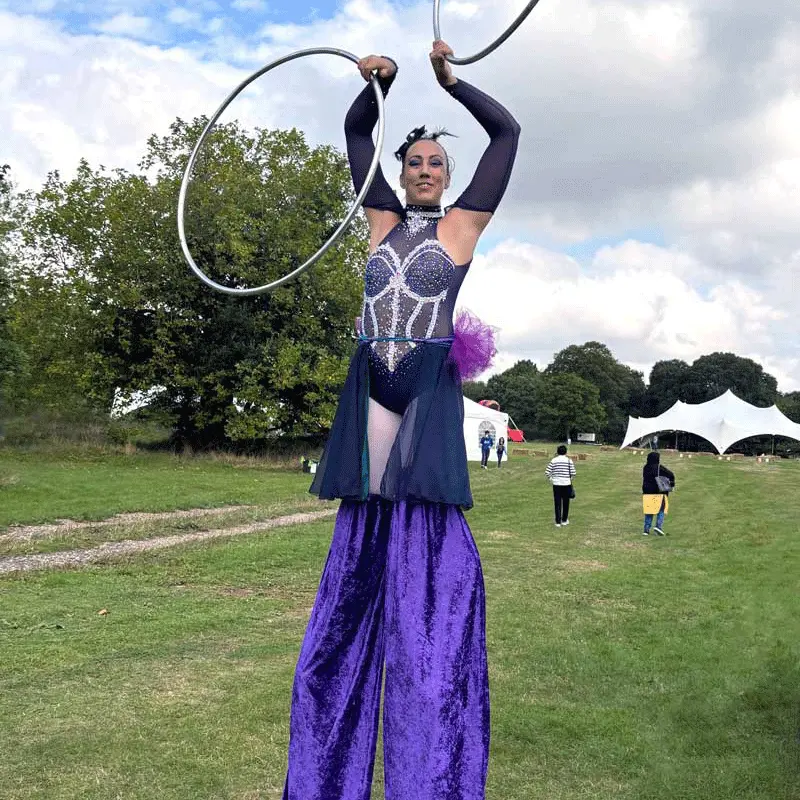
424	211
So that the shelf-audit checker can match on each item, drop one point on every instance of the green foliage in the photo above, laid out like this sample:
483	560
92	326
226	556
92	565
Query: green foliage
790	405
475	391
515	390
566	404
124	312
712	375
667	379
11	356
622	390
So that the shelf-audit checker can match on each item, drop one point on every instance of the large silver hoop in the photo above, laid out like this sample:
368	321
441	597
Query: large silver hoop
334	51
486	50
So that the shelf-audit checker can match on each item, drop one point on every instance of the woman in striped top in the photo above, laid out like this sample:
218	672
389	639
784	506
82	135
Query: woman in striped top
561	471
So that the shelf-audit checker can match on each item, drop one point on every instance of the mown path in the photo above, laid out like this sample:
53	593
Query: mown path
109	551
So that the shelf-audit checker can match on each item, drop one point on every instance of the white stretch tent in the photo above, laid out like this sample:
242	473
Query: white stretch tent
723	421
477	419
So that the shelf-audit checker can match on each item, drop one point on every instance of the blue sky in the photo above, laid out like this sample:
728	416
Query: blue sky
181	23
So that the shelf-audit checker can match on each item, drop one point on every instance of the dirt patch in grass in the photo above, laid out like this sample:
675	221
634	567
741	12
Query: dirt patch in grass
28	532
499	535
111	551
239	591
582	565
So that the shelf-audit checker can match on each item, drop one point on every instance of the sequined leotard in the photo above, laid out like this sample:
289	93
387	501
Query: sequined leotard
410	291
411	286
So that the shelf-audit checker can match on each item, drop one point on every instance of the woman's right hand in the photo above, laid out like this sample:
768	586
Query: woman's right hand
384	66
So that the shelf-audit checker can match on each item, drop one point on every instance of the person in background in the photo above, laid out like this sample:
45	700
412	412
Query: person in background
655	501
501	448
561	471
486	448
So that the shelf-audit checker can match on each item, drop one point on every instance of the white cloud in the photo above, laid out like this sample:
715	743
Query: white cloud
118	92
250	5
631	297
183	16
673	116
125	24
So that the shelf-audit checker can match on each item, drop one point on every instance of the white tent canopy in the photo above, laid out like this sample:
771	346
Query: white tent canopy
723	421
477	419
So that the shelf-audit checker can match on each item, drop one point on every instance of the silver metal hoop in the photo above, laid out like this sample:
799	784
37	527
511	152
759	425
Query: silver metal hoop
334	51
486	50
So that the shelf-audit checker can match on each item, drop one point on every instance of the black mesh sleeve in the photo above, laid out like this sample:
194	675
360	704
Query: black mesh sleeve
358	126
491	177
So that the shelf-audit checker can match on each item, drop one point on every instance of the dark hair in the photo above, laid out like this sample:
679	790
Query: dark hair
420	134
562	450
653	457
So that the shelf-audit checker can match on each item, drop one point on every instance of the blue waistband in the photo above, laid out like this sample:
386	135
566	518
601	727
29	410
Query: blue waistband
439	340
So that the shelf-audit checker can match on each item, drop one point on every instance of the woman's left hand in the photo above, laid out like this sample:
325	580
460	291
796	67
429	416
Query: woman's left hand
441	66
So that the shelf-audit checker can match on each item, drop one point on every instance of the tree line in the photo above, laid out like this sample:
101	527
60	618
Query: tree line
586	389
98	305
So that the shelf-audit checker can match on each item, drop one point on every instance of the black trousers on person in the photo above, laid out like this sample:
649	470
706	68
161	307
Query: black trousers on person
561	501
485	457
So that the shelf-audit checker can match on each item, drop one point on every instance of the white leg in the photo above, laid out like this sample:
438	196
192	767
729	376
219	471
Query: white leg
382	427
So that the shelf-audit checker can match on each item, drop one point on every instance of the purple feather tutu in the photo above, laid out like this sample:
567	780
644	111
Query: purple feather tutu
473	349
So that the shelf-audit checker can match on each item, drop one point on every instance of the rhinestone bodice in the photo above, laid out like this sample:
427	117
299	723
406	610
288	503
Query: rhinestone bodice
410	288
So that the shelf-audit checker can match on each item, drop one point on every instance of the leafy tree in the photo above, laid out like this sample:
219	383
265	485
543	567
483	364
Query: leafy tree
566	404
790	405
104	246
665	386
622	390
475	391
515	390
712	375
11	358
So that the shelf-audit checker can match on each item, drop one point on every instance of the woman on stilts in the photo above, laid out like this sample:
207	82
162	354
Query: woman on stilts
402	586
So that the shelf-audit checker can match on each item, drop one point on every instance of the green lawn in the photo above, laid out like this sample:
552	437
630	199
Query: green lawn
41	486
621	666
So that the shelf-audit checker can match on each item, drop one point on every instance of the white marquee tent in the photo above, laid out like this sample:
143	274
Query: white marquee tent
723	421
477	419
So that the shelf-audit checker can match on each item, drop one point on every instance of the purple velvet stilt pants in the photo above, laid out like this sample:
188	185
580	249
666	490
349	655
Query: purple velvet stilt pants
402	584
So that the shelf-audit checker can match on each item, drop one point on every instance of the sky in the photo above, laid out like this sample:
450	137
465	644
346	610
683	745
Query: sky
655	201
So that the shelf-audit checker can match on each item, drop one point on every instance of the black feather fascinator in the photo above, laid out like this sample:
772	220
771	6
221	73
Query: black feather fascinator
415	136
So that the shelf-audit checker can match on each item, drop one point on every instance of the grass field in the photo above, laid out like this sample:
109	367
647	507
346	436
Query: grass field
621	666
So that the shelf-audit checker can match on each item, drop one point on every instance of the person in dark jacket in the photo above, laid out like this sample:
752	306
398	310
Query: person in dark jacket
501	448
655	501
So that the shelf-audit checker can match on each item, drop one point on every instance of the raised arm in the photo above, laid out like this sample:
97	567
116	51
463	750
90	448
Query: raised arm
381	204
489	182
472	211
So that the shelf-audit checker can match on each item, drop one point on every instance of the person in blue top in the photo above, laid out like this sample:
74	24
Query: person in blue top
486	448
